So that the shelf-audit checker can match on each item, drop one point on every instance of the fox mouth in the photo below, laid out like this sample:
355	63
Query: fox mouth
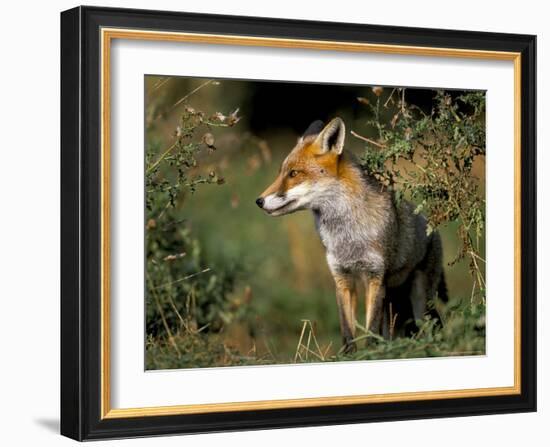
280	210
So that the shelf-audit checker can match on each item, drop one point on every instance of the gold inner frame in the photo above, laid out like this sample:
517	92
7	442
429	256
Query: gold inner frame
107	35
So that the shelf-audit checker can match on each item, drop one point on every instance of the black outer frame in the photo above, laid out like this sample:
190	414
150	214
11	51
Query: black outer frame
81	207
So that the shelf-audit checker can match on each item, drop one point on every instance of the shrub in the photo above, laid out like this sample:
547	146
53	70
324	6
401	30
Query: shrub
429	157
184	291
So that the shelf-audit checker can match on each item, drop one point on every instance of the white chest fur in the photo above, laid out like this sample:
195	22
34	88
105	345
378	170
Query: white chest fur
350	237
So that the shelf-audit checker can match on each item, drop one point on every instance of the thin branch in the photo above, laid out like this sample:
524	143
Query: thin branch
389	97
368	140
474	254
162	156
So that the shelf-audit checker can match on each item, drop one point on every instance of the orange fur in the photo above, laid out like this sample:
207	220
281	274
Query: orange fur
311	165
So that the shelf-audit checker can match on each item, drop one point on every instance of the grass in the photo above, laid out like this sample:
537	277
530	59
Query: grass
462	334
193	350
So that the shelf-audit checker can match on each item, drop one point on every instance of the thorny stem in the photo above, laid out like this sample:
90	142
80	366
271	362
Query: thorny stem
191	93
167	151
162	156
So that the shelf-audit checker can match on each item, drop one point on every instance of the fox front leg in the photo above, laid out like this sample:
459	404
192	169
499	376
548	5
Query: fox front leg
375	292
346	298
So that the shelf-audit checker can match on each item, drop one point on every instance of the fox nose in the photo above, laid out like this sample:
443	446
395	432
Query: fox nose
260	202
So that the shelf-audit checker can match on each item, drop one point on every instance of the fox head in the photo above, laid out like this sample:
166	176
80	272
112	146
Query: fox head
309	172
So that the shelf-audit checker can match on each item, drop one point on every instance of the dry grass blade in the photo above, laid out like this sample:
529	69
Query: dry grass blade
304	325
159	84
163	318
185	278
304	350
192	92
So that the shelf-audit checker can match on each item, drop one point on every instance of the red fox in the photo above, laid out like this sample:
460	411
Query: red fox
369	238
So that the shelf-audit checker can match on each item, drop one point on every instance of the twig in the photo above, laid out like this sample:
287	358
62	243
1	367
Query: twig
162	156
164	210
389	97
475	255
368	140
202	328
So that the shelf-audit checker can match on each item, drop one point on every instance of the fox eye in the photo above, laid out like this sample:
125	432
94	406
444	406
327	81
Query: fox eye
293	173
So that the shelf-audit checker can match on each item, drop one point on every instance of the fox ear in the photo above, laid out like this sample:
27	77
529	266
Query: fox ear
331	138
314	129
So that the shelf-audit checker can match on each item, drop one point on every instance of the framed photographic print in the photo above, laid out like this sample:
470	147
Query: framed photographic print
273	223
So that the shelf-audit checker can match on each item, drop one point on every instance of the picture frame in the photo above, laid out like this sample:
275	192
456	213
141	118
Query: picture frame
87	34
